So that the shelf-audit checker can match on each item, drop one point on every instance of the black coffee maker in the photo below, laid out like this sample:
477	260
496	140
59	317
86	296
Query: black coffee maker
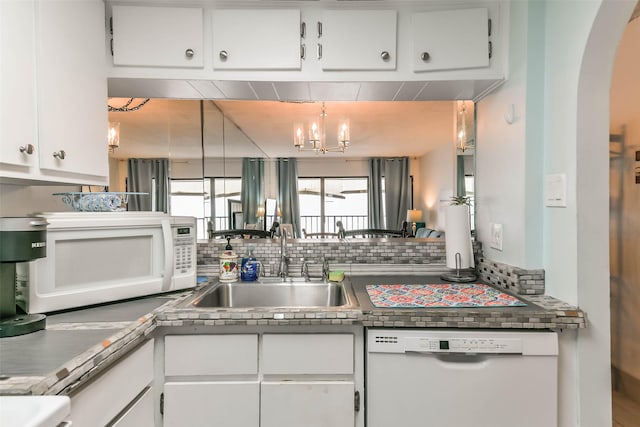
22	239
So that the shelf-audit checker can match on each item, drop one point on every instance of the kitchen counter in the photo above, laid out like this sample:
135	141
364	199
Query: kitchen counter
78	345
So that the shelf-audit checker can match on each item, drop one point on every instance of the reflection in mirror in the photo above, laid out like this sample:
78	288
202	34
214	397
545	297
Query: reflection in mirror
206	156
465	154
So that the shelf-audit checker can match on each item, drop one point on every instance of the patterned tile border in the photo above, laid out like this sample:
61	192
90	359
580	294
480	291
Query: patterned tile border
551	314
510	278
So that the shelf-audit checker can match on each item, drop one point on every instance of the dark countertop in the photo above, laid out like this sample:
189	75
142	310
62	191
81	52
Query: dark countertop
78	344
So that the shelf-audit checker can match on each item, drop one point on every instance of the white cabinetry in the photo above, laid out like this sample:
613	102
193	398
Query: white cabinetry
450	39
158	36
256	39
54	92
308	380
261	379
228	397
358	40
120	396
18	137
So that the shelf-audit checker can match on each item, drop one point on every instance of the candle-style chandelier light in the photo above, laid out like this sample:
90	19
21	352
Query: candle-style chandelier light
317	135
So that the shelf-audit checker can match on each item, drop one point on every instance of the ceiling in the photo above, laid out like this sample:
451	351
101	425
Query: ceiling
170	127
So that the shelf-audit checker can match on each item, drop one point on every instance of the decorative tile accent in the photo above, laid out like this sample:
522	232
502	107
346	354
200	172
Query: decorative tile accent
514	279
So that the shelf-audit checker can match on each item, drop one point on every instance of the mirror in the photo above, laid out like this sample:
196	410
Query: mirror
213	149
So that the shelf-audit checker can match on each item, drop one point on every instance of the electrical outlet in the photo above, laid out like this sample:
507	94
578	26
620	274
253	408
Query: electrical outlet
496	236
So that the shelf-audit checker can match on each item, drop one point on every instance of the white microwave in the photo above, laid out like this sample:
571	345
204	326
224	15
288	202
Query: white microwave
94	258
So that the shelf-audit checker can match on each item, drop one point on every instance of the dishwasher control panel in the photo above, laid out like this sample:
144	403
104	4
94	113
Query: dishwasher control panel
463	345
427	341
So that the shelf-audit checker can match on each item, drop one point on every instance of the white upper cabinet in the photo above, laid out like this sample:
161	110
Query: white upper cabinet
451	39
256	39
357	40
53	84
18	139
151	36
72	92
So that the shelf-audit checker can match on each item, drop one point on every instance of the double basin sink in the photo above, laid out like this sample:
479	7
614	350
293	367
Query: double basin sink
275	292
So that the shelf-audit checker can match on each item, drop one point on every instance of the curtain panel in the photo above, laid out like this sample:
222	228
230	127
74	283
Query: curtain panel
288	201
142	173
252	189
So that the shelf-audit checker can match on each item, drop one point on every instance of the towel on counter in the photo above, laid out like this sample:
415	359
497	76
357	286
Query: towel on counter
450	295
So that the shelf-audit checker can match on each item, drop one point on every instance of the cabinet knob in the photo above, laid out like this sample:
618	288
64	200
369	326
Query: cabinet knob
223	55
425	56
59	155
28	149
385	55
189	53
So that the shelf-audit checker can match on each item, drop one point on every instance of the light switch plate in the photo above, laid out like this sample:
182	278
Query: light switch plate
496	236
555	190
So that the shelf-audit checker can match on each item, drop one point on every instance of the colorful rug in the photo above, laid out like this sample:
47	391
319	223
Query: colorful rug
450	295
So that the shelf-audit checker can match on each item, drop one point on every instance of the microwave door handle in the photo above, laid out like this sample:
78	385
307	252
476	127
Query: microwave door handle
168	255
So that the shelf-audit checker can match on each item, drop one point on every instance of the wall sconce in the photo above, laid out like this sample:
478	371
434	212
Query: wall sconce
113	136
413	216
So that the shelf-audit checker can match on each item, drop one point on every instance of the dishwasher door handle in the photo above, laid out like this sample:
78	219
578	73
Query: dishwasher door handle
453	357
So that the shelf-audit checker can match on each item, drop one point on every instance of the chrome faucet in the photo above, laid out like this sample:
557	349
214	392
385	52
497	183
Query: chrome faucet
304	272
283	267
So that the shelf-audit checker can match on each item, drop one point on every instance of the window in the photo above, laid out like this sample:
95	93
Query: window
190	197
323	201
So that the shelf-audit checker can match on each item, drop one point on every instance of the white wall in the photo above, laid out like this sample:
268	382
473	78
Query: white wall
437	177
23	200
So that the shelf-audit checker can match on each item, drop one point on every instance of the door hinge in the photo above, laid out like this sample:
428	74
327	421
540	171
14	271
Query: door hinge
303	51
162	403
490	50
356	401
111	46
489	25
303	29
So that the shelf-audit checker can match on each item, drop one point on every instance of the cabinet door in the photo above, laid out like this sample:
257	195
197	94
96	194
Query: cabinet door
307	354
256	39
140	414
307	403
72	88
211	355
158	36
17	83
451	39
358	40
223	403
105	397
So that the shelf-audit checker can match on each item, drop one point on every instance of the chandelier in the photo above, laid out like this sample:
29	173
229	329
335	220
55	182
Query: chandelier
318	136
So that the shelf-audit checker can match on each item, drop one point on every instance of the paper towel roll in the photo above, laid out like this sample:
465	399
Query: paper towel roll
457	234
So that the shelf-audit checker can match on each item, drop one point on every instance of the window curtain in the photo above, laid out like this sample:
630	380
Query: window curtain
461	189
252	189
376	214
141	175
288	201
397	188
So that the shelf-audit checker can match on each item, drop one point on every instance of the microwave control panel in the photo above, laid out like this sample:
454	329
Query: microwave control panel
184	242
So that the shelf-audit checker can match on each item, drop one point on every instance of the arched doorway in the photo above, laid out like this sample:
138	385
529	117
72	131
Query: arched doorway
592	125
625	227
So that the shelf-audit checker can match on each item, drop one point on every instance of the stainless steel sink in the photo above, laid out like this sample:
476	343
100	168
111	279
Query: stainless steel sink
269	293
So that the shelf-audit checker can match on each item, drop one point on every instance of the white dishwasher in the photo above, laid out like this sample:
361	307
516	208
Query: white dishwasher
454	378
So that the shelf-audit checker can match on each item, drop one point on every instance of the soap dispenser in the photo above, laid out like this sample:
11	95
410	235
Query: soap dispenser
228	264
249	267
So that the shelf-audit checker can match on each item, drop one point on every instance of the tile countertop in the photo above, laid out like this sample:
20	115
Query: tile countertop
80	344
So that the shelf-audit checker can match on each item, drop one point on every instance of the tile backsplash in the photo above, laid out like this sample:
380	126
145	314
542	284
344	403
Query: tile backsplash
373	251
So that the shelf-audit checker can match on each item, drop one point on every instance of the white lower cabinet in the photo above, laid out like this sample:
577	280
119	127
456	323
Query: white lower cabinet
212	403
263	379
139	414
307	403
107	399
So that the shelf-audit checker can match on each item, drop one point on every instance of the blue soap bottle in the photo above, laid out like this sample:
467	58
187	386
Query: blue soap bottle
249	266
